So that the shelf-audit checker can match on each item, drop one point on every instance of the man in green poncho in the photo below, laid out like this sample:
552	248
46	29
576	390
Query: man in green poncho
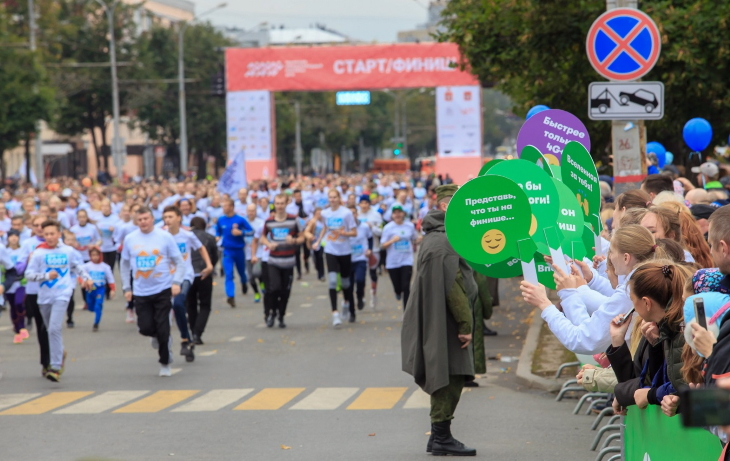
437	327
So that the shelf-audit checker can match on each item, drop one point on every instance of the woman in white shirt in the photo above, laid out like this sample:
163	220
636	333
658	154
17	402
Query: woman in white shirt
398	238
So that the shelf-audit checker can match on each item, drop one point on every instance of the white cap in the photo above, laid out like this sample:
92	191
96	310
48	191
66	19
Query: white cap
708	169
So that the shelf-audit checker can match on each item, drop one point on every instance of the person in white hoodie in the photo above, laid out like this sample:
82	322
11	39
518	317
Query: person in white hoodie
54	265
578	330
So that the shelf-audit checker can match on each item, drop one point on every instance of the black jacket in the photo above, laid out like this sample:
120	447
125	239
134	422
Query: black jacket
628	371
209	243
718	364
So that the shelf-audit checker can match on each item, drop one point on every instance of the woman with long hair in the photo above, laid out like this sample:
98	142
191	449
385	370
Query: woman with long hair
692	237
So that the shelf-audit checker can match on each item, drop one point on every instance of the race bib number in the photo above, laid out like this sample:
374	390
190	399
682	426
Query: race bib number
279	233
183	247
146	262
106	233
402	246
99	277
56	260
357	250
335	223
84	240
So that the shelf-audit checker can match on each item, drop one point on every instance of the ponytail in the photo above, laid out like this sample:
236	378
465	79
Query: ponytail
638	242
663	282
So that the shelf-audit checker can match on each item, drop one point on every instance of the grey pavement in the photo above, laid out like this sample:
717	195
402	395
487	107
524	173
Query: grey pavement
339	394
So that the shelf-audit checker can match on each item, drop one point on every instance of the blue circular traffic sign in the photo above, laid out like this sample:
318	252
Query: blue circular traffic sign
623	44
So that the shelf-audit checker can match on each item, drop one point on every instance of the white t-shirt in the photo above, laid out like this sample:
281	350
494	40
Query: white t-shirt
342	220
264	250
359	244
99	272
15	256
107	226
85	236
186	242
258	225
65	261
26	248
400	253
151	257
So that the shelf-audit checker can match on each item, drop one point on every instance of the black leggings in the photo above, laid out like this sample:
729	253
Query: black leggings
401	278
278	287
200	291
340	265
32	310
319	262
302	248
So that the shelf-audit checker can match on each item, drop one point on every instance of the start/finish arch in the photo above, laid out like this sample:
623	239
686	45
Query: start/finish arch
253	73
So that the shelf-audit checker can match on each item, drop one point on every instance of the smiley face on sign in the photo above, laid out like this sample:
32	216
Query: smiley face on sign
493	241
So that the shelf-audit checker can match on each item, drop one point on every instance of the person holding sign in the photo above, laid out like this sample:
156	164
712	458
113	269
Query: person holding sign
437	328
398	238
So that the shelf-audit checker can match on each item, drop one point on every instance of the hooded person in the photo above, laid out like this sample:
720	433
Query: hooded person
437	327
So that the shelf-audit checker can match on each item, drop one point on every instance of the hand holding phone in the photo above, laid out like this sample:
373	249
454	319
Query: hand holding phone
705	407
700	312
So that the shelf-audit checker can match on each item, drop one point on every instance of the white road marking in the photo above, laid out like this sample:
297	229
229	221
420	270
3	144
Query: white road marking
5	328
175	371
10	400
214	400
208	353
237	339
101	402
322	297
418	399
306	305
325	398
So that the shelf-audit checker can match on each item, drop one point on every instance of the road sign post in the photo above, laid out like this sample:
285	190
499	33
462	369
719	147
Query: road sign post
623	45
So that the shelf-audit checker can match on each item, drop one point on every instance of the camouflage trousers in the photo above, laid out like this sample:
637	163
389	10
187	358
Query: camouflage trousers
445	400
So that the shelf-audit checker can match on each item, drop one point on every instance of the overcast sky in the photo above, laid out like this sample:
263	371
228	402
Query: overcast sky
366	20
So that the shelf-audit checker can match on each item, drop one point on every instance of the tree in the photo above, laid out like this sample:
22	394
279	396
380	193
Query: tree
156	104
534	51
24	91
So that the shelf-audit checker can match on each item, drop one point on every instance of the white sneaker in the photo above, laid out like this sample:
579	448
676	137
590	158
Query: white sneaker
336	322
373	299
154	343
165	370
130	316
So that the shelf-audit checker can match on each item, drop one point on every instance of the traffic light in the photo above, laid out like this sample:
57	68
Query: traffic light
218	83
398	148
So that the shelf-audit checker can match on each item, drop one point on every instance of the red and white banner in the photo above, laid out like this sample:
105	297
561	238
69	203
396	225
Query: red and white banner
332	68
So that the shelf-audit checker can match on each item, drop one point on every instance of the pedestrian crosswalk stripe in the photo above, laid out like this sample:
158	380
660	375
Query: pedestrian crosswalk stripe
208	353
270	399
214	400
46	403
156	402
325	398
378	398
101	402
5	328
237	339
10	400
418	399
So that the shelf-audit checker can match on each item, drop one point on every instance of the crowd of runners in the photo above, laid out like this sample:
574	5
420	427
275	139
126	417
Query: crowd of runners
62	246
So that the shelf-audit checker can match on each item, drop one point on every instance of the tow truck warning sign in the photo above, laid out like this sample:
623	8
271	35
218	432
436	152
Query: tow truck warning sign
626	101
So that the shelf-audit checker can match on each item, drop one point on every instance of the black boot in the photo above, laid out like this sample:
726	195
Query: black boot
488	332
444	444
429	445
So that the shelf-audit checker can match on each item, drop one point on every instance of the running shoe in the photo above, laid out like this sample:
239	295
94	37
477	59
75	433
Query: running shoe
257	297
24	333
231	302
165	371
244	288
63	363
398	296
186	349
352	318
96	328
130	316
373	299
17	339
197	340
360	304
336	322
70	324
345	310
270	321
281	322
44	370
53	375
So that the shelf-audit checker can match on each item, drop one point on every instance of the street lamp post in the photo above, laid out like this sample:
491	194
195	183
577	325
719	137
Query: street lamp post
118	153
181	88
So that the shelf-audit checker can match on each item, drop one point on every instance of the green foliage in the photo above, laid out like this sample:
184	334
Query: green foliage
534	51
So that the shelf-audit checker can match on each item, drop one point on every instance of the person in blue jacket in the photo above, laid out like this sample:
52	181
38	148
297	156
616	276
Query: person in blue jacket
230	229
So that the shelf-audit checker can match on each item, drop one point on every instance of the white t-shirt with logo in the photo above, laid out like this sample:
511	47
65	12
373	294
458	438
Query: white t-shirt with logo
257	225
400	253
107	225
100	273
186	242
151	258
359	244
341	220
85	236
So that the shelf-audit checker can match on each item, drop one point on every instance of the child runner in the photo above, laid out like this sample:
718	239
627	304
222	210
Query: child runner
15	287
101	274
51	264
362	246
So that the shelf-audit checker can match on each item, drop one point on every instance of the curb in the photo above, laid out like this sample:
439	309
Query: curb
524	366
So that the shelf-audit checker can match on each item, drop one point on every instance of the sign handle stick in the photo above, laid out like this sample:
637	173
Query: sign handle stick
527	258
551	236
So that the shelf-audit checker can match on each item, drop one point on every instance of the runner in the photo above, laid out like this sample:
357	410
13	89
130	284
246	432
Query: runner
186	242
15	287
302	210
314	233
374	219
339	224
102	277
32	312
362	246
282	236
150	255
398	238
121	233
202	287
230	230
253	269
52	264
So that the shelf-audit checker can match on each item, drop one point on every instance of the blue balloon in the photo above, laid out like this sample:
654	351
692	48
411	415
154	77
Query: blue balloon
669	157
658	150
697	134
535	110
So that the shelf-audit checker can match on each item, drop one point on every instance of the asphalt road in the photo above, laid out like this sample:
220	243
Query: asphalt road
306	392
